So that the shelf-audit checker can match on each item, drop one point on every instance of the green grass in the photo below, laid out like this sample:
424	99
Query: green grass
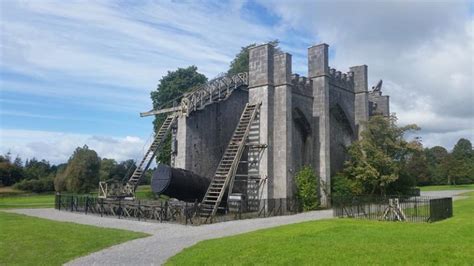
346	242
10	198
27	201
447	187
34	241
144	192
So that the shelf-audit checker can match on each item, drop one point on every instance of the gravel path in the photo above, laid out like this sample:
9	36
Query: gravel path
445	193
166	239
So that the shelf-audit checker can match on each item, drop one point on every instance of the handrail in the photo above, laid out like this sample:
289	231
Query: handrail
215	90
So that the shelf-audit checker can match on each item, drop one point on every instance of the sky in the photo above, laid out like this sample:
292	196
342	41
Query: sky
80	72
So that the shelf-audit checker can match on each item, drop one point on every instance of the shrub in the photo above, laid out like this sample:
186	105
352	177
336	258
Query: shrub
307	188
36	185
342	186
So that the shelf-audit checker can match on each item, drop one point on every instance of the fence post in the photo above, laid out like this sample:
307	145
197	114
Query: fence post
119	208
161	211
139	210
59	201
186	212
101	208
281	209
87	204
240	210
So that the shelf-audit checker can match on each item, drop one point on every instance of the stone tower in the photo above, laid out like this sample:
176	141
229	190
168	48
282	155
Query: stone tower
303	121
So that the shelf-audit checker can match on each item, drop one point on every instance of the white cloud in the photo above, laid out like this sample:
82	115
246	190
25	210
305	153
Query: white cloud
57	147
111	54
422	50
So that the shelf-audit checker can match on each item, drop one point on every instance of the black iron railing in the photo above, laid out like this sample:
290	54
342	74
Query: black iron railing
172	211
394	208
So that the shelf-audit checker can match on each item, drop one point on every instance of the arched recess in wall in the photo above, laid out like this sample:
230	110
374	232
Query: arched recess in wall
342	134
301	139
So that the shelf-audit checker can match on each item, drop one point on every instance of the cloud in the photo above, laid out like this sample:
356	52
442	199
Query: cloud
57	147
426	62
99	61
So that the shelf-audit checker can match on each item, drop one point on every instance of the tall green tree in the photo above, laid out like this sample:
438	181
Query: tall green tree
417	168
10	171
169	90
35	169
376	161
460	163
83	170
436	158
107	167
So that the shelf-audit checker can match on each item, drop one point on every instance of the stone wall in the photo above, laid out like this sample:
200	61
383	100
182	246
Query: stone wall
203	136
303	121
379	104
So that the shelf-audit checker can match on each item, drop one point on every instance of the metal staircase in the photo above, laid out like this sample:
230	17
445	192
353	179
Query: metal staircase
216	90
227	168
128	189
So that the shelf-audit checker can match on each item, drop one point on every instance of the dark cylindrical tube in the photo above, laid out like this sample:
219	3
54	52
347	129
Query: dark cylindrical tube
178	183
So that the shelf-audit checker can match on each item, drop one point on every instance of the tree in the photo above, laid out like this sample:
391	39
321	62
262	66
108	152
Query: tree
124	170
169	91
35	169
82	172
376	161
107	168
459	163
240	63
462	149
417	168
10	172
60	178
436	158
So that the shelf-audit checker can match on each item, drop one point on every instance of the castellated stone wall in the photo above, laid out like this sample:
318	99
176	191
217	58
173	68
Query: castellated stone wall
379	104
303	121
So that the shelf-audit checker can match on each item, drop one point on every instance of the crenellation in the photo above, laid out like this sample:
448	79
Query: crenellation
341	80
301	85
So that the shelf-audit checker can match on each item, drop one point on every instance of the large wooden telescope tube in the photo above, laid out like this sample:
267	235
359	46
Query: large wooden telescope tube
179	183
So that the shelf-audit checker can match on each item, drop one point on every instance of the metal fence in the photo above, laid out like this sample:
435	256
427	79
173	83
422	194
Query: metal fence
172	211
394	208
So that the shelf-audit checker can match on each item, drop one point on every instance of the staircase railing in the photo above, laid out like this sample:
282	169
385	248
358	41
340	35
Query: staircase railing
215	90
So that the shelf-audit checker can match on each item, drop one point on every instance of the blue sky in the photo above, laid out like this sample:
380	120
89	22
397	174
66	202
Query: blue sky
79	72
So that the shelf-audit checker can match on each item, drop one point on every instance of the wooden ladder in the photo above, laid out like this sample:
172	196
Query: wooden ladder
228	165
151	152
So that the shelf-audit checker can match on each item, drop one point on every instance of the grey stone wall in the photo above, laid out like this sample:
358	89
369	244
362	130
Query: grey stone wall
318	72
203	136
361	110
379	104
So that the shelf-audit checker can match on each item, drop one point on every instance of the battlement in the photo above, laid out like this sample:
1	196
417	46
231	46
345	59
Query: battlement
301	85
343	80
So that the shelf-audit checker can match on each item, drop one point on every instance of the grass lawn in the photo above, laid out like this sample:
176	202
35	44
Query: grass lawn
447	187
144	192
27	201
346	242
10	198
34	241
